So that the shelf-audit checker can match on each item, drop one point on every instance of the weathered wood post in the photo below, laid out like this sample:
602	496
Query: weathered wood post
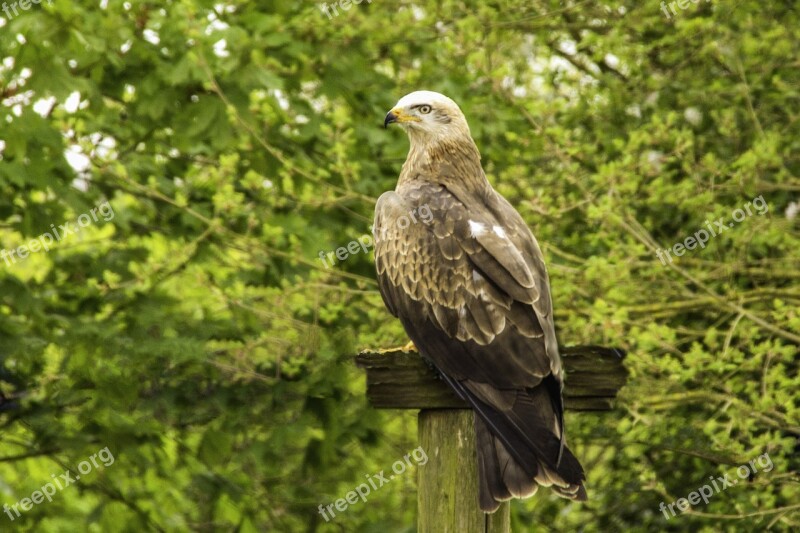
448	489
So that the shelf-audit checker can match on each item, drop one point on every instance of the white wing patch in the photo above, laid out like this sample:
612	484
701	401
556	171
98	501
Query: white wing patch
477	279
499	231
476	229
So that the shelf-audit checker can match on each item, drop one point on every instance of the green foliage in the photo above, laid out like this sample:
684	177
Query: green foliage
198	336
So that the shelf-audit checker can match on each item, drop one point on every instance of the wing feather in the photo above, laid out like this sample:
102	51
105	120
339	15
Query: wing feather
474	287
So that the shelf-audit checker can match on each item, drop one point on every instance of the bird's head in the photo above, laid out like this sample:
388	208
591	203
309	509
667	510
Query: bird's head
428	115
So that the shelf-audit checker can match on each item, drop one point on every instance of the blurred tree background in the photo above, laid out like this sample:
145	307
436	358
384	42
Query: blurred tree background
198	336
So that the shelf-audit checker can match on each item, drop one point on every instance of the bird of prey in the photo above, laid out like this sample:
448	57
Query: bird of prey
470	287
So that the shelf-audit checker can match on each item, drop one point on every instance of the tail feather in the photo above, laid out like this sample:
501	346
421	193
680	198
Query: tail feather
532	416
492	489
520	446
572	492
516	480
518	451
500	476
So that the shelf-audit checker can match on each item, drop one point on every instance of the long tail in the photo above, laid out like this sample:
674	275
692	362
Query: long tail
501	477
520	448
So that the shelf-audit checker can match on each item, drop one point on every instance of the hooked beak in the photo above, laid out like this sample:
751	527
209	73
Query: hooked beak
391	117
398	115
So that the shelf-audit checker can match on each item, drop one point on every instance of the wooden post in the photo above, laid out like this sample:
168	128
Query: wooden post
447	500
448	483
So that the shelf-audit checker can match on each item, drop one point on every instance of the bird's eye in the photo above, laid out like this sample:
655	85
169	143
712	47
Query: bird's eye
424	109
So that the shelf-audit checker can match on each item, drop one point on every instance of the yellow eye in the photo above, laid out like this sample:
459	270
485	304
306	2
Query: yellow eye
424	109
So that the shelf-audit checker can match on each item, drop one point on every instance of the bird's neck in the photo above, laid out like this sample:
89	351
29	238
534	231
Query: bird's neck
451	160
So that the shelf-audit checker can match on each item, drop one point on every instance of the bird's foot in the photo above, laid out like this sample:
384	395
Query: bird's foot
407	348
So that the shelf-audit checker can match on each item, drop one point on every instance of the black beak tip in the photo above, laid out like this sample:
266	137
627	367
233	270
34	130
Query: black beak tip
390	119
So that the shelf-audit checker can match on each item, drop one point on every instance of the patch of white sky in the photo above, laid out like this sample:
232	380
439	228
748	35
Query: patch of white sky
101	146
216	25
74	154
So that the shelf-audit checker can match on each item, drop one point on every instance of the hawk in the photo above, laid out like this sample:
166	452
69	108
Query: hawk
470	287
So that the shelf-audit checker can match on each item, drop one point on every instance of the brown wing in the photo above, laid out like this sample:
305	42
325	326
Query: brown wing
476	275
470	287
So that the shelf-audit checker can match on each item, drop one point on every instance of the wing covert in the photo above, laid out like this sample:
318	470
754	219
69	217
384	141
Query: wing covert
462	272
